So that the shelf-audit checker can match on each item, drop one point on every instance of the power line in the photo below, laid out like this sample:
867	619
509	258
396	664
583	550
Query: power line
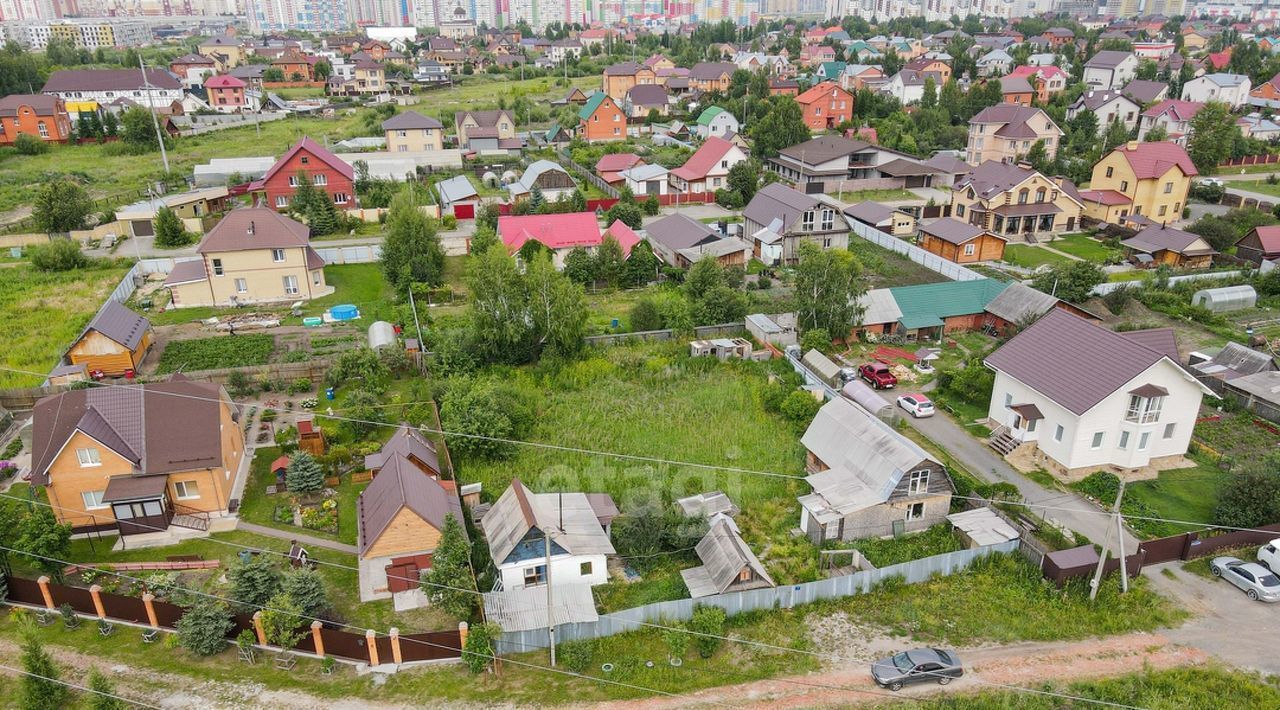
69	684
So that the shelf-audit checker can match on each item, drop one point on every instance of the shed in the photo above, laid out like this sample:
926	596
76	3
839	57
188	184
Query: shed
862	394
983	526
1226	298
822	367
114	342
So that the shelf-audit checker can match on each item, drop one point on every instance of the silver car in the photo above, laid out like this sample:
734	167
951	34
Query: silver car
1257	581
917	666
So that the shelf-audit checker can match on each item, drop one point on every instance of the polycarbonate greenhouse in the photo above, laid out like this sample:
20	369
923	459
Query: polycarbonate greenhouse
1227	298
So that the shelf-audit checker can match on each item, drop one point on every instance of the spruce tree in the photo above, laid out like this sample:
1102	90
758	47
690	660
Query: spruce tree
304	474
41	689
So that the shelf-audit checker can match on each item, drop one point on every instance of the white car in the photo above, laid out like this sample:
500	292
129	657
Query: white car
917	405
1211	182
1269	555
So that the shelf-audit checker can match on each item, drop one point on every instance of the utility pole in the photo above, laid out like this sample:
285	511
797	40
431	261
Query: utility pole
1124	573
1102	557
164	156
551	624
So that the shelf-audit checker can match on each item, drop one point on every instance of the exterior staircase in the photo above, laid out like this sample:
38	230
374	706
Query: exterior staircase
1031	238
190	518
1002	441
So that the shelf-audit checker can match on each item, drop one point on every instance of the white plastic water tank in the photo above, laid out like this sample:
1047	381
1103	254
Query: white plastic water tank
381	335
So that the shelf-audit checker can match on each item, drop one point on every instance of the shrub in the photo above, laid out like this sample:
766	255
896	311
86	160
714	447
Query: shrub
577	655
1116	301
299	386
478	651
27	144
708	625
677	640
58	255
203	628
1249	498
254	582
799	407
281	621
645	315
1102	486
816	339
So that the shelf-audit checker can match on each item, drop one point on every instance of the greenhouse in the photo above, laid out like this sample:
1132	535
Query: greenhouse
1227	298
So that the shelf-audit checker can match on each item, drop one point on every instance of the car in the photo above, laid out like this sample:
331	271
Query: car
1211	182
917	405
1258	583
916	666
1268	554
878	375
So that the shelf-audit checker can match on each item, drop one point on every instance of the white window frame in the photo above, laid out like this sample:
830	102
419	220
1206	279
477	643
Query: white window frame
242	285
320	179
93	500
918	483
1170	429
290	284
183	490
277	255
1057	433
970	249
282	201
912	509
89	457
1144	441
1096	442
1124	441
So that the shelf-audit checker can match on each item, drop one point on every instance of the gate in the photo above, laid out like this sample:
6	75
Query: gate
464	211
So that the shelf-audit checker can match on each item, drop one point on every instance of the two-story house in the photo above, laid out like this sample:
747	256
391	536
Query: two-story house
867	480
307	160
497	124
139	458
1148	179
1006	132
779	219
1173	115
158	89
1015	200
601	119
226	93
1110	69
38	115
715	122
825	105
618	79
839	163
707	170
254	255
411	132
1047	80
1109	106
1082	398
1230	89
711	76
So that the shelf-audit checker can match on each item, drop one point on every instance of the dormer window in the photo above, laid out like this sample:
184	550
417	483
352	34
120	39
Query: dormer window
1145	404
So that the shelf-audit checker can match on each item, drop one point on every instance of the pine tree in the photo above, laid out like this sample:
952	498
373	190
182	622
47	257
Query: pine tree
304	474
305	587
449	583
536	199
103	693
169	229
40	687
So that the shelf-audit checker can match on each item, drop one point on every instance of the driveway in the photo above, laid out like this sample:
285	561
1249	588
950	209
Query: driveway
1225	623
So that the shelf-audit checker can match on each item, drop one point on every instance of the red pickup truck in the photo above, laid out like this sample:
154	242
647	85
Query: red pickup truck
878	375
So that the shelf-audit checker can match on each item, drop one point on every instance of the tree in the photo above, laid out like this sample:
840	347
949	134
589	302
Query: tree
828	284
498	311
610	262
57	255
744	178
449	584
557	309
45	541
254	581
704	275
782	126
478	652
170	232
1116	135
61	206
27	144
645	316
708	624
273	74
579	266
642	267
411	250
1038	157
137	129
364	413
483	238
629	213
645	534
720	304
487	415
282	621
1157	134
203	627
102	693
1212	133
304	474
1219	232
110	124
306	589
40	686
321	70
1073	282
1251	497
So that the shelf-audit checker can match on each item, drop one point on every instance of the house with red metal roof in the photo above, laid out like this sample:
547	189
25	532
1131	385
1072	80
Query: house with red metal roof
1260	244
610	164
307	160
1173	115
1140	179
562	233
226	93
707	170
1075	398
825	105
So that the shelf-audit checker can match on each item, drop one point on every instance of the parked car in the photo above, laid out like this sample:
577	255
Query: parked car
917	405
1257	581
1268	555
917	666
878	375
1211	182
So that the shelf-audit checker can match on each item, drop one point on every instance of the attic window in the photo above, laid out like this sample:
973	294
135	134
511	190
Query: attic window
305	160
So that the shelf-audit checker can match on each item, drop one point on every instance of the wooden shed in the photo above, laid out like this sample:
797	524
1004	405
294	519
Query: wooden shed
114	343
310	437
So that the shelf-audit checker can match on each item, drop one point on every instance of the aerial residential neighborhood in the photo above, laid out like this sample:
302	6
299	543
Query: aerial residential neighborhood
760	354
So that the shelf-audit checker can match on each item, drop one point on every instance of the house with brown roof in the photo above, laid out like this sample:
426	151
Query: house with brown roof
44	117
618	79
711	76
254	255
1015	200
1163	244
1110	69
887	219
139	458
1260	244
1173	115
497	124
961	242
642	99
411	132
1079	398
1016	90
1006	132
158	90
780	218
114	343
400	517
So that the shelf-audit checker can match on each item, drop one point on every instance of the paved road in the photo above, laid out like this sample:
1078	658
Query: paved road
306	540
1066	508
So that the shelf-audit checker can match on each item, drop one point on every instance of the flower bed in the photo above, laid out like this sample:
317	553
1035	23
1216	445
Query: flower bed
323	517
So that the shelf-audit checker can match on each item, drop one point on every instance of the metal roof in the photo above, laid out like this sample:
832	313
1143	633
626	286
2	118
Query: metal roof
1019	303
455	189
525	609
878	307
983	526
927	305
119	324
724	556
570	517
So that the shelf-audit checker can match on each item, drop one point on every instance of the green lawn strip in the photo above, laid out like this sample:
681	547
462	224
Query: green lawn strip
362	285
216	352
1030	257
888	195
1189	494
1261	186
883	552
43	314
1133	275
1200	565
1043	478
1083	246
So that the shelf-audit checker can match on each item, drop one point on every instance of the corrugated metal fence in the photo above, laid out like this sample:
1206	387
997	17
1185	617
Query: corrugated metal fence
912	572
933	262
1103	289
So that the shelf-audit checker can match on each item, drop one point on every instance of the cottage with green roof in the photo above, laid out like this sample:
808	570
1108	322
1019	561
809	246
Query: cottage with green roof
601	119
715	122
928	311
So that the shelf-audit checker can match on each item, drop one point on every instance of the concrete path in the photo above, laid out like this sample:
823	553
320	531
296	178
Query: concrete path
306	540
1066	508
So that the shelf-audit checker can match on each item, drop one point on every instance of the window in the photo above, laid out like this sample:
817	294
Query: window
293	181
242	286
1144	410
1169	429
915	511
186	490
217	267
1022	196
1097	440
93	500
277	255
305	160
1040	195
281	201
969	249
1124	186
584	569
320	179
808	221
290	285
44	130
919	482
1124	440
1168	188
1008	400
88	457
535	575
1143	440
315	277
959	210
1163	209
340	198
828	220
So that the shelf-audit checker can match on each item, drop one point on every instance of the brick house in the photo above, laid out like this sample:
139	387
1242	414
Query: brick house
329	174
226	93
825	105
601	119
39	115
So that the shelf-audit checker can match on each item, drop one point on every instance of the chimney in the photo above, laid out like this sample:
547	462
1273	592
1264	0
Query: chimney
251	227
1131	145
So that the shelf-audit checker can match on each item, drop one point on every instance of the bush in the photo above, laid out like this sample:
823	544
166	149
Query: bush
677	639
27	144
708	625
478	651
576	654
305	587
1116	301
203	628
817	339
1250	498
646	316
799	407
1102	486
58	255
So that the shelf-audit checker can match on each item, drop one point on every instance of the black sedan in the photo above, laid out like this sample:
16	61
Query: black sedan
917	666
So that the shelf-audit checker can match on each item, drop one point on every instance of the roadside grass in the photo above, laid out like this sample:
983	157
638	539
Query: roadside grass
1200	565
258	507
1083	246
1261	186
889	195
216	352
883	552
1189	494
1131	275
1031	257
1043	478
43	314
885	268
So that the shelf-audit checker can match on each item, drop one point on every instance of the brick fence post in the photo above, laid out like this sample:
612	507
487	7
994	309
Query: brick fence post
95	591
372	644
463	630
316	638
395	646
148	600
43	581
257	628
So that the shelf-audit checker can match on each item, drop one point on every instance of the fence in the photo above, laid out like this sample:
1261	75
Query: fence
358	254
860	582
1191	545
702	331
1061	575
1266	159
1103	289
588	175
933	262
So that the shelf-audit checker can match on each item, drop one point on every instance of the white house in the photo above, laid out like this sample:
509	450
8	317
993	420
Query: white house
159	89
1110	69
1109	106
519	523
994	63
1231	89
707	170
717	122
1083	398
645	180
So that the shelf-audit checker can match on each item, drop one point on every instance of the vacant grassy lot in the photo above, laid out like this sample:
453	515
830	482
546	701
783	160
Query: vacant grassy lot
44	312
1084	246
1261	186
216	352
1030	257
885	268
890	195
936	540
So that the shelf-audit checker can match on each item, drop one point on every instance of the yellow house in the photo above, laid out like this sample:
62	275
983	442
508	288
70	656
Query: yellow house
114	342
229	52
254	255
1147	179
138	458
411	132
1015	200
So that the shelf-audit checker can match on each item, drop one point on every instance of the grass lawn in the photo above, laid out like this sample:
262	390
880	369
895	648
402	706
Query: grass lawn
1180	494
1083	246
1131	275
258	507
936	540
1031	257
886	268
890	195
44	312
1261	186
1200	565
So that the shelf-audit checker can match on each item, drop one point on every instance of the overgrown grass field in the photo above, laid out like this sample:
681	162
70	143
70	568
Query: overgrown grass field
216	352
44	312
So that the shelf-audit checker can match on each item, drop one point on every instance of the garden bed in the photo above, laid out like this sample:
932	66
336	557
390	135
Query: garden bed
216	353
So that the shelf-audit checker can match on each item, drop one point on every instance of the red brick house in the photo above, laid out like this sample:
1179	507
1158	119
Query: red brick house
308	158
39	115
226	93
602	120
825	105
294	65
